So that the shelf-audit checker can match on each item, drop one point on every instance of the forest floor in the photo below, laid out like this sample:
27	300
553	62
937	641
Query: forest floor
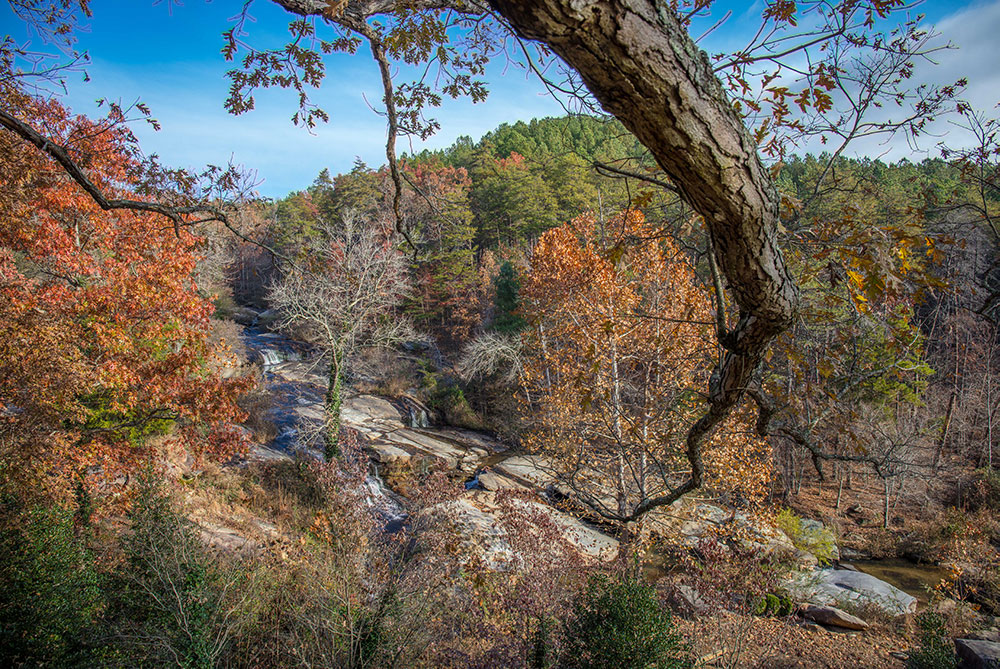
781	643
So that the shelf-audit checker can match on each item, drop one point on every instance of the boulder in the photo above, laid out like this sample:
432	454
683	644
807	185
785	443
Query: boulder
494	481
244	315
475	517
977	654
834	617
267	318
837	586
226	539
532	470
686	601
992	634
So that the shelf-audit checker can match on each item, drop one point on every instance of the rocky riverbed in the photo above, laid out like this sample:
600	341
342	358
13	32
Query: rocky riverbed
398	437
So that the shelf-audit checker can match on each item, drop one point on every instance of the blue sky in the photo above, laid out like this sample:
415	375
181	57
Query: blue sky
167	54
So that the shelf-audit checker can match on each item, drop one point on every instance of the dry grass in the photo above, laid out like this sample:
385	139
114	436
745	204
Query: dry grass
256	403
381	372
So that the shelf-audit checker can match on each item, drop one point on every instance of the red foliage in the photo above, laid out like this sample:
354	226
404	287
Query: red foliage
103	334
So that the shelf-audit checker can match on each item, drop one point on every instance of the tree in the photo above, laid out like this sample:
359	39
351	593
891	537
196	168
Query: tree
639	62
507	300
619	338
436	208
104	337
341	296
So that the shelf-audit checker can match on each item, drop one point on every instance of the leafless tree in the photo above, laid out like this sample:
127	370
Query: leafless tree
343	295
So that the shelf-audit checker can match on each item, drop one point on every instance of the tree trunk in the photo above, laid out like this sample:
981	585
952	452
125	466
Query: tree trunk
885	510
943	437
640	63
332	404
840	490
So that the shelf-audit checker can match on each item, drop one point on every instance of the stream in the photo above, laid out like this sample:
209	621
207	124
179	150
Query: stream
913	579
292	374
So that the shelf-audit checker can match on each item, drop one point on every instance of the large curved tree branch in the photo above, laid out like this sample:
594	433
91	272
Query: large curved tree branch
638	60
176	214
61	155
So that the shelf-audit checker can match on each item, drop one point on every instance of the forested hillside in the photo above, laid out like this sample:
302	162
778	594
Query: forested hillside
647	387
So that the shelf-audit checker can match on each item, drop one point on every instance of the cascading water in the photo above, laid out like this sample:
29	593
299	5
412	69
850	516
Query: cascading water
297	390
270	357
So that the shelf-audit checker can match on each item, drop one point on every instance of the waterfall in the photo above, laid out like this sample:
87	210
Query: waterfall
417	417
270	357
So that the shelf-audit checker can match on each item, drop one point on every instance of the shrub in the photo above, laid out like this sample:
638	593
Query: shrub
981	490
935	650
50	596
807	536
620	623
171	602
541	646
773	604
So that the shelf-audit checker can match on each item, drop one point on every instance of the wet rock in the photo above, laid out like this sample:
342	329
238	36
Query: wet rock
977	654
829	615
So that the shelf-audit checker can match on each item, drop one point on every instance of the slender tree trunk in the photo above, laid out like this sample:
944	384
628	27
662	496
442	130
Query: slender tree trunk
943	438
332	405
885	509
840	488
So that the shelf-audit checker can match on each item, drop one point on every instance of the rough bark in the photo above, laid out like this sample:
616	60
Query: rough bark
640	63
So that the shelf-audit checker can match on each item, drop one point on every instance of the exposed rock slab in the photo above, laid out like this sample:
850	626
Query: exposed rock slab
687	523
837	586
387	454
977	654
493	481
533	470
829	615
362	409
476	516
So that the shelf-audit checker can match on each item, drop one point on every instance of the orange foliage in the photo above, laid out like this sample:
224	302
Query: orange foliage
103	334
619	345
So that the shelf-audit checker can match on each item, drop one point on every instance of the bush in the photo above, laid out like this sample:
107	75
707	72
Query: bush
773	604
50	595
936	650
981	490
171	602
620	623
807	536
